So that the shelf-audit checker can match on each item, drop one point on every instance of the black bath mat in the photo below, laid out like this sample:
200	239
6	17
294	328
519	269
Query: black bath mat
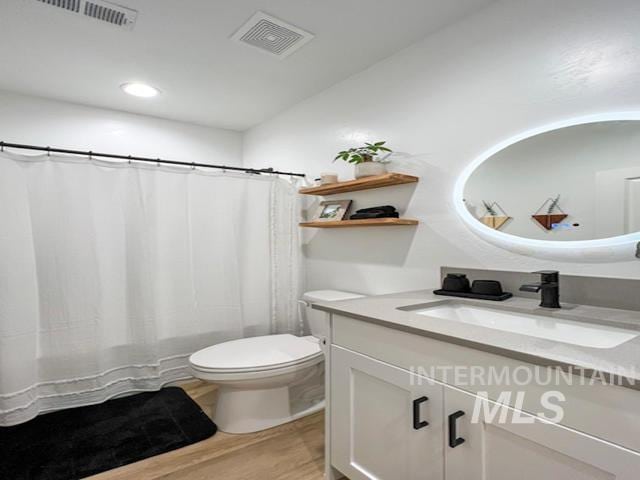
75	443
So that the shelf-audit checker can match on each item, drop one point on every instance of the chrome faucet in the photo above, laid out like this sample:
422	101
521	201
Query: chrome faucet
550	287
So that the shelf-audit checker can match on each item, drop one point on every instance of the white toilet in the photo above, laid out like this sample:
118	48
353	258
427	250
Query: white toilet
269	380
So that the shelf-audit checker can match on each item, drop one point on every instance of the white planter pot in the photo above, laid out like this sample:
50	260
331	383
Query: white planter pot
370	169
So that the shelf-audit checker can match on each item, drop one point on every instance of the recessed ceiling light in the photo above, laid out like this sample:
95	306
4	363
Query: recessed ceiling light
138	89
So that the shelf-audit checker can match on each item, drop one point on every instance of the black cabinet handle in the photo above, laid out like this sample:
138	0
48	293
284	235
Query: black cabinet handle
417	423
454	441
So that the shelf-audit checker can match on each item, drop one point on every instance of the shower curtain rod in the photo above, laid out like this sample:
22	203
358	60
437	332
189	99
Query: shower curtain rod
157	161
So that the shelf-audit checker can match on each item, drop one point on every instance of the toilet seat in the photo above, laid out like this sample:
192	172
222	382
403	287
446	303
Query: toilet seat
258	354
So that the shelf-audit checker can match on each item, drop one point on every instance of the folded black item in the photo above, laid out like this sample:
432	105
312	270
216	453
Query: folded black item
360	216
383	208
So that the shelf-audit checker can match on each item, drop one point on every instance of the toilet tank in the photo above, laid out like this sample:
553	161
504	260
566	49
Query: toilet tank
316	320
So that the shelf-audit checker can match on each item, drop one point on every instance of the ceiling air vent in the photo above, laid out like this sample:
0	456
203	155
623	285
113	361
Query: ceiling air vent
111	13
272	35
71	5
101	10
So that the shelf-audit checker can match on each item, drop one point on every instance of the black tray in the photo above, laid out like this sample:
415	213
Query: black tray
479	296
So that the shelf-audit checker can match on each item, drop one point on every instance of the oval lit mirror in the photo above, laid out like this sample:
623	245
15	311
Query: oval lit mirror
572	184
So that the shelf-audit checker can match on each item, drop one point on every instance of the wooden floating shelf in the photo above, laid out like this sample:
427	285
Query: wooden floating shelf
366	183
367	222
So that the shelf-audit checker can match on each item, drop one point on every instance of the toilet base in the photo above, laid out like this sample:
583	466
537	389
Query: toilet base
245	406
246	411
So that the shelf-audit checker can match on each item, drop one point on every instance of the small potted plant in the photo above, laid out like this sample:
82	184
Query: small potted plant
492	218
366	159
553	216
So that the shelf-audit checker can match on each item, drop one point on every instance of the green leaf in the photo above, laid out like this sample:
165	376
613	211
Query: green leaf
357	155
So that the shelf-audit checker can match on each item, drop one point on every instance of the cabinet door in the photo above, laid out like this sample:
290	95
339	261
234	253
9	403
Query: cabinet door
494	449
386	423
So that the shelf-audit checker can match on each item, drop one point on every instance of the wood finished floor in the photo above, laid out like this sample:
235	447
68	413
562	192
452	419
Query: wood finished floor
294	451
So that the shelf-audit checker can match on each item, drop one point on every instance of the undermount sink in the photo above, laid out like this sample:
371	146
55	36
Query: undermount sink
557	329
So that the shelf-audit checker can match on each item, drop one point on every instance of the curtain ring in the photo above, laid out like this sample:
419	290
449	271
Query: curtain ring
48	151
90	155
193	166
129	157
1	146
158	162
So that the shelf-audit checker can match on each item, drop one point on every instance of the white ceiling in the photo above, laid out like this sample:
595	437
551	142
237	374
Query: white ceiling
183	48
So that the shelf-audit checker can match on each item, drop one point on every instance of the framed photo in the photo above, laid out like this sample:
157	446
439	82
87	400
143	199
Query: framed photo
332	210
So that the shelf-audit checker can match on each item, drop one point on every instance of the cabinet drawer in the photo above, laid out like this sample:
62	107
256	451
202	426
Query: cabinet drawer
605	411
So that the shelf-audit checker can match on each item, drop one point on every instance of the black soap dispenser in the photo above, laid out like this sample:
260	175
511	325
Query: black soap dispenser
456	282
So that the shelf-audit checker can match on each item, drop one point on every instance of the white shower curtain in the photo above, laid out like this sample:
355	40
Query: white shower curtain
111	275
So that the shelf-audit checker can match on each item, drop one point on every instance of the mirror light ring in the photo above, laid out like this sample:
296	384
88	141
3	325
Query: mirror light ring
619	248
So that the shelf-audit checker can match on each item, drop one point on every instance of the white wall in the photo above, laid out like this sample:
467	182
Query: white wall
513	66
37	121
565	162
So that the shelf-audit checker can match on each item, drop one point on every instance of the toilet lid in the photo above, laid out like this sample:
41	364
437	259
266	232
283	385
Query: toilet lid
257	353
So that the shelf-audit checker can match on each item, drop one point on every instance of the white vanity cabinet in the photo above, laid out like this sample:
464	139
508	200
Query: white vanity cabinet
386	423
390	424
529	448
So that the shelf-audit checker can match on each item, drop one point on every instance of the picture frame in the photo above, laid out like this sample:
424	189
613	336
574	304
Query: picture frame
332	210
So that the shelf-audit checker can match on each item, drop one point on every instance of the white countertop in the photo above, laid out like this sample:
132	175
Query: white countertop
621	363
